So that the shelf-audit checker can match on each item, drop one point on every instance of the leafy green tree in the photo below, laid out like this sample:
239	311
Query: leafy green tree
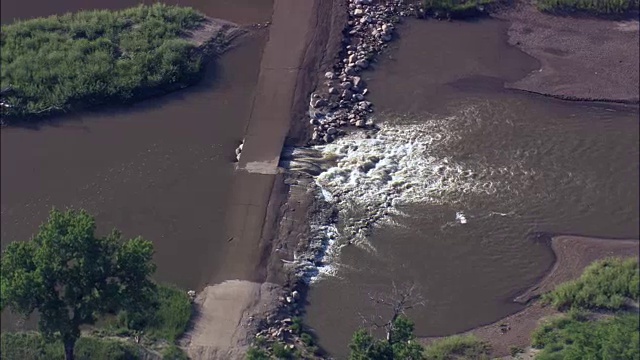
403	340
401	344
365	347
71	277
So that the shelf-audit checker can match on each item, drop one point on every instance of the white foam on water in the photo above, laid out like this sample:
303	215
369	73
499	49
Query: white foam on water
323	240
375	175
461	218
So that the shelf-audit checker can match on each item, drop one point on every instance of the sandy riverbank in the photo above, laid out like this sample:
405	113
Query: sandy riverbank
573	254
580	58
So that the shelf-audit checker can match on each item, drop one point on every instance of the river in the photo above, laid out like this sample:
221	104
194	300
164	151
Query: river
459	147
469	173
161	169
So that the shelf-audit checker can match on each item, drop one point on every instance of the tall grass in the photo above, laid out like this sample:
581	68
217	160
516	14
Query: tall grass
32	346
55	64
167	318
457	347
604	7
573	337
173	314
455	8
605	284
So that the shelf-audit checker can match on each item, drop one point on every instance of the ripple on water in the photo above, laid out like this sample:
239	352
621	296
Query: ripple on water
374	176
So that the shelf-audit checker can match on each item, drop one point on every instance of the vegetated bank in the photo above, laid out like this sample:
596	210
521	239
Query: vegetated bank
598	315
62	63
73	279
593	7
455	9
598	319
471	8
151	335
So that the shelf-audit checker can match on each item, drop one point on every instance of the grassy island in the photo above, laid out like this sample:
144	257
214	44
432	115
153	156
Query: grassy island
61	63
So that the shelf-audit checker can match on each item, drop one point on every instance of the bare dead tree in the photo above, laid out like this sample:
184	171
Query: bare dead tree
398	301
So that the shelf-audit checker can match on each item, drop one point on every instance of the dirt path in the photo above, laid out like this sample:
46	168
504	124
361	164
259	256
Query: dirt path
225	313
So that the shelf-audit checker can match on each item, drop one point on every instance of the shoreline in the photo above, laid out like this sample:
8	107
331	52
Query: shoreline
595	64
276	214
247	293
299	204
278	223
212	39
572	255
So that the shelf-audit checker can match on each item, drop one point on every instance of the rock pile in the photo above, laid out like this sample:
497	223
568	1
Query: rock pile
239	150
192	295
341	102
286	328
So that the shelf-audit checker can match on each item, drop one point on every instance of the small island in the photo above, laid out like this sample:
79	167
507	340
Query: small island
62	63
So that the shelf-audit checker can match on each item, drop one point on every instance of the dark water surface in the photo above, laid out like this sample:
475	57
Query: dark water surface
161	169
557	167
238	11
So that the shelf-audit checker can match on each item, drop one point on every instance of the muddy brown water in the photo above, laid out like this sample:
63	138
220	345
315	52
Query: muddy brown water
161	169
567	168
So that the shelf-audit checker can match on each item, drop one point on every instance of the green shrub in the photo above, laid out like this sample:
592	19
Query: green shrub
59	63
589	6
102	349
280	351
257	354
32	346
28	346
306	339
457	347
576	338
455	8
260	341
401	344
173	315
174	353
296	325
605	284
166	318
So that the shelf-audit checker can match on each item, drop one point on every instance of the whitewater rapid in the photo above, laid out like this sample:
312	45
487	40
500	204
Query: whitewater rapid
373	176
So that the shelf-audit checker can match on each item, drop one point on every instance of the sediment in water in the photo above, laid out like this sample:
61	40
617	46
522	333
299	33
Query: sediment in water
572	255
307	228
310	237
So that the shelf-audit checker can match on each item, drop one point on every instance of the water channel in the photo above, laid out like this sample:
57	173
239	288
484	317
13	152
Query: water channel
483	169
161	169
